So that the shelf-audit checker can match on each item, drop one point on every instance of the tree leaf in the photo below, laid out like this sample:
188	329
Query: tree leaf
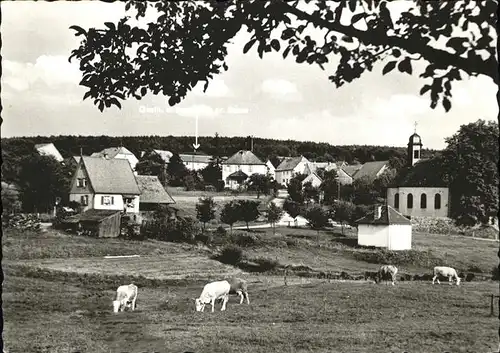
275	44
347	39
286	51
352	5
110	25
171	101
143	91
249	45
425	89
115	102
86	95
358	17
287	34
101	106
446	104
389	67
224	66
79	30
405	66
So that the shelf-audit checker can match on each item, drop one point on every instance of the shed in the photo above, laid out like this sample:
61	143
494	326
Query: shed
385	228
152	193
101	223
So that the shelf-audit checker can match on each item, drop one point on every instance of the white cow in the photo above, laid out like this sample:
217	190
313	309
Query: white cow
239	286
385	272
445	272
211	292
126	296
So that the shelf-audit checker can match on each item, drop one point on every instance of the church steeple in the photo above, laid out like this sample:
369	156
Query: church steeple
414	148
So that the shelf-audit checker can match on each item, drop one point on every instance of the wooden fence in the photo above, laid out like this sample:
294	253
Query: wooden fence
492	304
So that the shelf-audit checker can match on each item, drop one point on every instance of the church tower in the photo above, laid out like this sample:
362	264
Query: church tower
414	148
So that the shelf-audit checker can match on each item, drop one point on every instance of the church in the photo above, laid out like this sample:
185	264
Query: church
419	201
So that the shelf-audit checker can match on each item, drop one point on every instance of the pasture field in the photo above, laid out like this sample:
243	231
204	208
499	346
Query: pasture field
63	284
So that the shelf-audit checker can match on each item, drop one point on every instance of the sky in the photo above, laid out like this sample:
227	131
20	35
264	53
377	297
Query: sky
267	98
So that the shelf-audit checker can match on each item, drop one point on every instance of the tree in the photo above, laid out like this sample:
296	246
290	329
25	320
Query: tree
176	170
343	212
205	210
248	211
274	214
167	53
212	173
152	164
230	214
292	208
295	188
317	218
330	186
260	183
10	198
42	179
471	166
310	192
364	192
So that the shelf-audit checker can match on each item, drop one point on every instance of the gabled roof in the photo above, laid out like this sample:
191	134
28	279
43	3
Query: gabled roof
48	149
110	176
351	169
112	152
165	155
75	159
370	169
388	216
310	177
244	157
238	175
196	158
152	191
289	163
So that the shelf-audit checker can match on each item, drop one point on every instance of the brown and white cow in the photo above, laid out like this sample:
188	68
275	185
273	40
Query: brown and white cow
386	272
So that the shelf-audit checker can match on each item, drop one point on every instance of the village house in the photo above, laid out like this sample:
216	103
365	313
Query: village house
105	184
314	179
152	193
117	153
195	161
163	154
270	168
290	167
370	170
241	165
48	149
385	228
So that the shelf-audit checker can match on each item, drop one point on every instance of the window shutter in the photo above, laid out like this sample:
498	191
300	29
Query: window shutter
112	200
102	200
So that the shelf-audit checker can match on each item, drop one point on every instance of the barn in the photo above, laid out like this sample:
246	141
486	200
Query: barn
385	228
100	223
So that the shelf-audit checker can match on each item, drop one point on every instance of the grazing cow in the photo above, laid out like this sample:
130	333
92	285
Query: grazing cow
239	286
126	296
444	271
386	272
211	292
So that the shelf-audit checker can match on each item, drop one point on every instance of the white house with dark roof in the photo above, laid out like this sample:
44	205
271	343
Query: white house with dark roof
105	184
152	192
195	161
48	149
290	167
385	228
314	179
118	153
241	165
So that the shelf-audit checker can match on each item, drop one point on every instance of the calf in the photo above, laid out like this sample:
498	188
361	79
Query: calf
386	272
126	296
444	271
211	292
239	286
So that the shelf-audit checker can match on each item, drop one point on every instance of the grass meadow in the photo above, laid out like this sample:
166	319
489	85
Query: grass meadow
58	289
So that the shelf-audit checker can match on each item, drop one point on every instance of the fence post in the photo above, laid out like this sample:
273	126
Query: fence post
285	273
492	313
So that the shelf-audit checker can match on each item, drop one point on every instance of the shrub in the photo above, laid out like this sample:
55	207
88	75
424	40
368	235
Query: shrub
495	274
231	255
245	239
408	257
266	264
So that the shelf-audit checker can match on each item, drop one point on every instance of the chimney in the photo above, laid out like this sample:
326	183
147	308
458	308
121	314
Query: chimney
251	143
378	212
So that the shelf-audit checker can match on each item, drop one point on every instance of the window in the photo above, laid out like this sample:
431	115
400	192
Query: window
409	201
107	200
423	201
250	168
416	153
396	200
84	200
437	201
81	182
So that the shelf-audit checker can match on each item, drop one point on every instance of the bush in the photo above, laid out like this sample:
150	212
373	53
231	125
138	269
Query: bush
495	274
205	238
245	239
231	255
172	230
266	264
407	257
